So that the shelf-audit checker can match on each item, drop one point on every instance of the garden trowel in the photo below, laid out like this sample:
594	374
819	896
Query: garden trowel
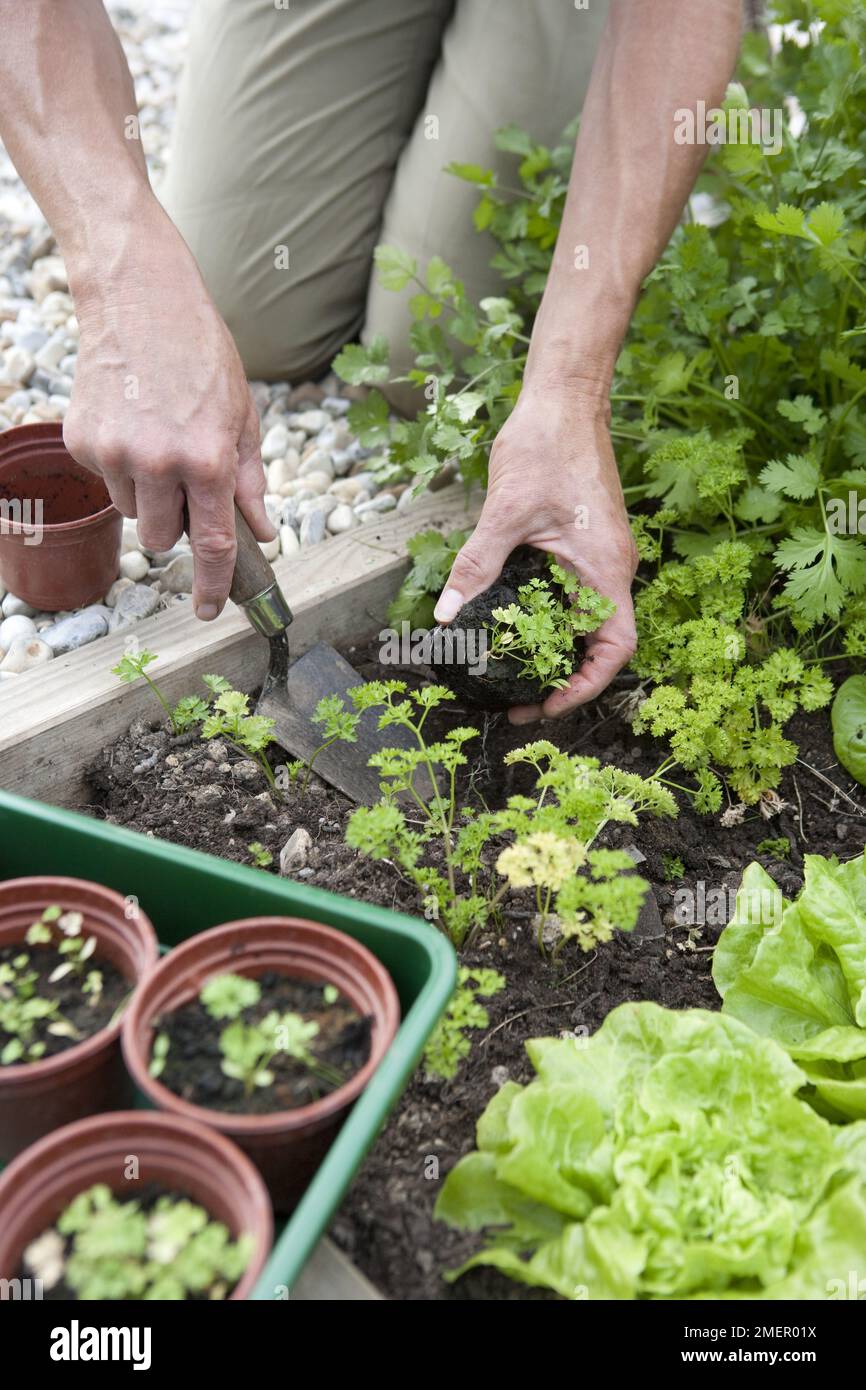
291	693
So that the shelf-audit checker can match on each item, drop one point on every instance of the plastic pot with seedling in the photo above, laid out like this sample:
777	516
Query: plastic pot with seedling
192	1222
71	954
267	1029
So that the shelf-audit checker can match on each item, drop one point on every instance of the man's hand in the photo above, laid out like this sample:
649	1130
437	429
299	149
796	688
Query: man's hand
629	182
553	484
161	408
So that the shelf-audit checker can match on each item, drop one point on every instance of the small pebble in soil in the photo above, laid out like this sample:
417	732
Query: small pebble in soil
295	851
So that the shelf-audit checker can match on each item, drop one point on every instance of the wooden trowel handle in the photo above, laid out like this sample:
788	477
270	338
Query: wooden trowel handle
253	573
254	586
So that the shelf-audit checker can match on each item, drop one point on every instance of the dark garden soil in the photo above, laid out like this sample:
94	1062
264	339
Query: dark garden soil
503	683
85	1016
212	799
193	1070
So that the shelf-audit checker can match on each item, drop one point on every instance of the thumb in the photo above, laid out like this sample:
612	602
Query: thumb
476	567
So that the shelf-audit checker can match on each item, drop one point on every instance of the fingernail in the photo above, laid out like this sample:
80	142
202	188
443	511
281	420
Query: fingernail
449	605
206	612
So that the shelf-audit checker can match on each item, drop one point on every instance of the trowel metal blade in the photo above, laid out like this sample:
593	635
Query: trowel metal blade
322	671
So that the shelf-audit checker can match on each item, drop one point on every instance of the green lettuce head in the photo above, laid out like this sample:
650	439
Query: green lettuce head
800	977
668	1156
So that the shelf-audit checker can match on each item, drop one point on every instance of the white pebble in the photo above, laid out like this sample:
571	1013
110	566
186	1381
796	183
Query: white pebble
384	502
51	355
275	443
133	565
282	470
316	482
312	528
407	499
56	308
341	461
130	539
24	653
315	462
289	543
312	421
47	275
116	589
342	518
325	505
334	437
295	851
178	576
270	549
14	607
18	366
346	489
15	627
68	634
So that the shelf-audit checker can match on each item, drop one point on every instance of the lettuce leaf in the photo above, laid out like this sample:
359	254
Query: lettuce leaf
668	1156
799	976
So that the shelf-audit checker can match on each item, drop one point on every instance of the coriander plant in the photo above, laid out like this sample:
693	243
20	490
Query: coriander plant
249	1048
25	1014
104	1248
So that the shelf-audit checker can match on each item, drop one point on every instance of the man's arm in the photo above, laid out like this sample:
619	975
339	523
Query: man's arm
160	404
629	183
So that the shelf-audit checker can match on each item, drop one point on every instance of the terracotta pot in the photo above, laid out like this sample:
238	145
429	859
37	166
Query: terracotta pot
174	1152
288	1145
36	1097
77	558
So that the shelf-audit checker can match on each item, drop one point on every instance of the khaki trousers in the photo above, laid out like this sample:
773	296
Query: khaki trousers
307	134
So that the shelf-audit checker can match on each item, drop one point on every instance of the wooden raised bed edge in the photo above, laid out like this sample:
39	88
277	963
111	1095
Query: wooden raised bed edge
55	720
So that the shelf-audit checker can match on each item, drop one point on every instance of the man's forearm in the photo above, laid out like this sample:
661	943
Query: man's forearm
67	118
630	179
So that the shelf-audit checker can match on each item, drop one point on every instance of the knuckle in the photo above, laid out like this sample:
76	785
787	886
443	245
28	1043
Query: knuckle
74	437
214	549
151	463
207	470
471	565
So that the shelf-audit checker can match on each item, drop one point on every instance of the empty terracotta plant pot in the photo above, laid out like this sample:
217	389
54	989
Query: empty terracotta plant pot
287	1145
88	1077
172	1152
60	535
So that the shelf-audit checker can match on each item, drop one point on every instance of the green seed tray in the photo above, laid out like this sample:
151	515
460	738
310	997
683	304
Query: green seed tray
184	892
